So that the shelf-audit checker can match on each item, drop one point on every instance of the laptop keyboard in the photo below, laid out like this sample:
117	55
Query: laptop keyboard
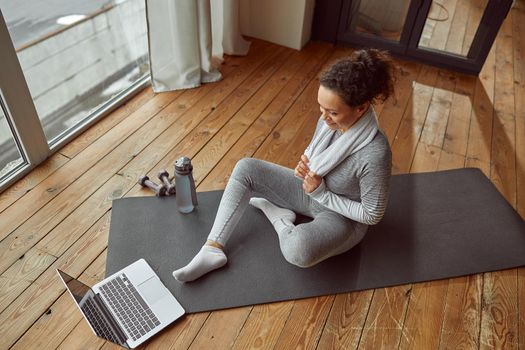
99	323
130	307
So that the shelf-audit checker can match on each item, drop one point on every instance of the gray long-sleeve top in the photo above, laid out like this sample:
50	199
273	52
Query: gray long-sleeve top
358	187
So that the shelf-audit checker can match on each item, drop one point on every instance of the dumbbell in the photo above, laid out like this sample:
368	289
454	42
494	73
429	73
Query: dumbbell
164	177
160	191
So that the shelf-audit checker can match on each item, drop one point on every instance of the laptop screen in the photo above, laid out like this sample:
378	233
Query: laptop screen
78	289
95	313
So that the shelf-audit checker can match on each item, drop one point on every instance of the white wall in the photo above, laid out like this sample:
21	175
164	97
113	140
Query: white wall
284	22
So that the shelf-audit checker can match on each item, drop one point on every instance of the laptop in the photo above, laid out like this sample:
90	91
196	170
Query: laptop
128	307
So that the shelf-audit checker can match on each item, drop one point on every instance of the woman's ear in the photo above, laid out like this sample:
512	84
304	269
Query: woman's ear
363	107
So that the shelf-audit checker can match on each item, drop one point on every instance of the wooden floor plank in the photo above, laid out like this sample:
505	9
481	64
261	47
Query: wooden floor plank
480	131
456	135
408	134
181	334
31	180
75	225
395	108
422	326
462	313
303	329
503	155
518	37
439	110
81	337
96	131
521	307
221	329
263	326
346	321
10	289
499	319
384	322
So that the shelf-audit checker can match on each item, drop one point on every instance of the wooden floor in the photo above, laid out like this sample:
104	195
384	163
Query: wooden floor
265	107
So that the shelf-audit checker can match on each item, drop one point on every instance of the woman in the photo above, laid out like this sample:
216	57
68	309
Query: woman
342	180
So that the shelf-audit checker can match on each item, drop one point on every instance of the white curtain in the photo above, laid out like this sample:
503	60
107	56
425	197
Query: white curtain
187	39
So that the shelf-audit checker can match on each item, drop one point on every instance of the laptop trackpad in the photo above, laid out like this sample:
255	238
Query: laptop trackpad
152	290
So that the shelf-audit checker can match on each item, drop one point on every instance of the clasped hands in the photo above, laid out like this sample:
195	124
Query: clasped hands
310	179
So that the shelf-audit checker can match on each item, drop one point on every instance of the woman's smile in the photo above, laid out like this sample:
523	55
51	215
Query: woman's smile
335	112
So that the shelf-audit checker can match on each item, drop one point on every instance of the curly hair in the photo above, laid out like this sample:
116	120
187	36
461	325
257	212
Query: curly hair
366	76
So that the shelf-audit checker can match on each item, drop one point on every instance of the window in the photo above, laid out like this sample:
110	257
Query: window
78	60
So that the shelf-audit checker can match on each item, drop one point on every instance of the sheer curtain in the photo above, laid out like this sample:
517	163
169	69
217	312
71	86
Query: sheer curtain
187	39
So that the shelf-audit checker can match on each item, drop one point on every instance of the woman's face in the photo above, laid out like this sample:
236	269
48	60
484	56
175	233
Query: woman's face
335	112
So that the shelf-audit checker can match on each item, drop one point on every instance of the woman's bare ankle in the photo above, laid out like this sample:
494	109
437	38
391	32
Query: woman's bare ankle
214	244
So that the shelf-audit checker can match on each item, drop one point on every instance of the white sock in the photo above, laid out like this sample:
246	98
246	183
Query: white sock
207	259
281	218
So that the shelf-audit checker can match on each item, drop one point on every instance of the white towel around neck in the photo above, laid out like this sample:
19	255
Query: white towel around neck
324	156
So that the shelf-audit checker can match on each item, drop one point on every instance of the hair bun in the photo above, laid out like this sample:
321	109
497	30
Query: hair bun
366	76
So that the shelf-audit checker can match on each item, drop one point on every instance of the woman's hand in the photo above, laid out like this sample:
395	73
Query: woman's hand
310	179
302	169
311	182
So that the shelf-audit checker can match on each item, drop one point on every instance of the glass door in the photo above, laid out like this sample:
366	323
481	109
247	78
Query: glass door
22	141
457	37
77	56
65	65
451	27
385	24
451	34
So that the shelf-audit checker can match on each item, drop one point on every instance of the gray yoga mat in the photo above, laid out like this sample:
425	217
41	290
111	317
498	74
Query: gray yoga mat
437	225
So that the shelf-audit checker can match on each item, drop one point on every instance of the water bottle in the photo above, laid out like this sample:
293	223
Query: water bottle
186	197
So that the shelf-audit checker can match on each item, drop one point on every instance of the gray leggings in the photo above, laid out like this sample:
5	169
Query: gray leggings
304	245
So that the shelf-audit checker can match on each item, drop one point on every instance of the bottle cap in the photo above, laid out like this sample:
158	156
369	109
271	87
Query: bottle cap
183	166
